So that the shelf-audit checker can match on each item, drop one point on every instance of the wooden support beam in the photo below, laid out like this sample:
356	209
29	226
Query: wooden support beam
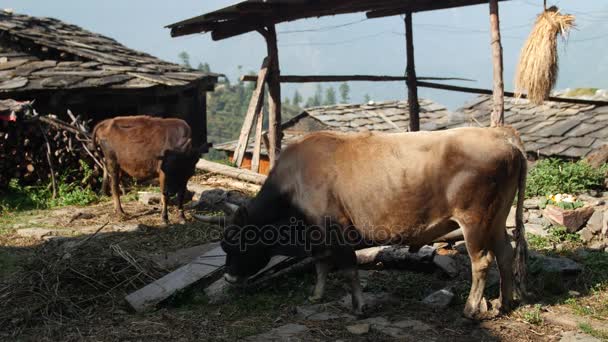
255	105
274	99
348	78
412	87
507	93
498	110
257	145
225	170
421	6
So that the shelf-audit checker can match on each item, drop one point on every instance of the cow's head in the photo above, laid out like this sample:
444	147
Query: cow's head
178	167
246	252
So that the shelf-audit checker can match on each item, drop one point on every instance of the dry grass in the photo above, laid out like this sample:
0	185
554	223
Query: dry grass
538	63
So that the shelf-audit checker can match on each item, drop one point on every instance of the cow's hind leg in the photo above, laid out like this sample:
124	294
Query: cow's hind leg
346	260
481	258
114	173
504	259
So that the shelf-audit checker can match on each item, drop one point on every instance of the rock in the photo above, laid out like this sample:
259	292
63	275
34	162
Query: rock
555	264
217	292
321	312
288	332
411	324
573	220
586	234
373	301
439	299
574	336
358	329
596	222
597	245
598	157
376	321
447	264
536	229
148	198
532	203
36	233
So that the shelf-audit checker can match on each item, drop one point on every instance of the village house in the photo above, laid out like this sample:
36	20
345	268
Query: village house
62	66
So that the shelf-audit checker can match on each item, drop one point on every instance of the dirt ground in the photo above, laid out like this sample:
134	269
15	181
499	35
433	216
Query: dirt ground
72	288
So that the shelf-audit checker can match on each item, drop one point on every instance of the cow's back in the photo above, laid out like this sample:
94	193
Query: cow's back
372	179
137	142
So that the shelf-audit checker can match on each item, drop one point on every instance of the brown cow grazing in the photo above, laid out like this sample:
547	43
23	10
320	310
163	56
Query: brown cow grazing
358	189
145	147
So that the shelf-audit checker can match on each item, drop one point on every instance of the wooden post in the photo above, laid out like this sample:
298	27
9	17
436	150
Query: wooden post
255	106
412	86
257	145
274	99
498	110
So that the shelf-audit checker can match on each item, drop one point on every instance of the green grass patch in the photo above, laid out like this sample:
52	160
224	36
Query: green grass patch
588	329
553	176
533	315
556	235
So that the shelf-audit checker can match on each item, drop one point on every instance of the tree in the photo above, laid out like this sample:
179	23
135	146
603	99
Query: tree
297	98
204	67
318	96
344	92
330	96
367	98
185	57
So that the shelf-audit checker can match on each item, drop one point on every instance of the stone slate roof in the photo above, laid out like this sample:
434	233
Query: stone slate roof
551	130
554	129
46	53
390	116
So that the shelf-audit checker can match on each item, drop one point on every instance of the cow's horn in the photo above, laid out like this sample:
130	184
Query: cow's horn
232	207
219	220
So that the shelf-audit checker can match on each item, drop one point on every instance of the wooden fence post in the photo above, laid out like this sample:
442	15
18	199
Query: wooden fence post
498	110
412	86
274	100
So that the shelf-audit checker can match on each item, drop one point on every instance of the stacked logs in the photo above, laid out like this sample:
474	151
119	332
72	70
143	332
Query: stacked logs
43	149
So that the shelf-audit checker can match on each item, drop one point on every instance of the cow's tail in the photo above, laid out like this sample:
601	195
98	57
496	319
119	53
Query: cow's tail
520	272
92	145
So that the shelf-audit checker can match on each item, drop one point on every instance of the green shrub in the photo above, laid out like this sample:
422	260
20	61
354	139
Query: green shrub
564	205
553	176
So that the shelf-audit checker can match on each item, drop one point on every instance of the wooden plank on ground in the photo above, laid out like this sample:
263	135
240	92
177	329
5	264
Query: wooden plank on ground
257	145
240	174
207	266
255	106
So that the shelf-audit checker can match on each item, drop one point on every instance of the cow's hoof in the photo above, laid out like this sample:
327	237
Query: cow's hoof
362	311
181	220
121	216
477	313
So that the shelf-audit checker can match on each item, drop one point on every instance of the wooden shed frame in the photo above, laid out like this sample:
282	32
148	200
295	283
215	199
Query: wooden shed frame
263	15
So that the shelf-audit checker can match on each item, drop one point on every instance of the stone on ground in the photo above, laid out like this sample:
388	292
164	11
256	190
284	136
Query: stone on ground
358	329
439	299
373	301
596	222
532	203
398	329
447	264
37	233
573	336
556	264
321	312
536	229
148	198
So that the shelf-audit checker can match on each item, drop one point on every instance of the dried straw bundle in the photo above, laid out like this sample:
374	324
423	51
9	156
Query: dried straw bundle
538	63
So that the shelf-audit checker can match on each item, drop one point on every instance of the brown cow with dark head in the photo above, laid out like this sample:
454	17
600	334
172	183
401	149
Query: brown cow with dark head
379	188
145	147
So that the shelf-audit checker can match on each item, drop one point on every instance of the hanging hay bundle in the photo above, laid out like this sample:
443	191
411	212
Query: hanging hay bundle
537	69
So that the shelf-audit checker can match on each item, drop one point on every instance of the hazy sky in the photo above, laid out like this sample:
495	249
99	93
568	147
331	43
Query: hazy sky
453	42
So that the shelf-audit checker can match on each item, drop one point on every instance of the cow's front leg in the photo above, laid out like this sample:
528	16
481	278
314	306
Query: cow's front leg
180	205
322	267
163	198
346	260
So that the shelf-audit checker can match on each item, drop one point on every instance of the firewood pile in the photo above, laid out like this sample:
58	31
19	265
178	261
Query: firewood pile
44	149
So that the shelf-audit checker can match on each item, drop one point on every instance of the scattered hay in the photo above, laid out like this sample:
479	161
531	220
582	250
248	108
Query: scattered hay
538	62
66	281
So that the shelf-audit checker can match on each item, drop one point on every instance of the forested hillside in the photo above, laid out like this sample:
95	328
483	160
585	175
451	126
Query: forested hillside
226	106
